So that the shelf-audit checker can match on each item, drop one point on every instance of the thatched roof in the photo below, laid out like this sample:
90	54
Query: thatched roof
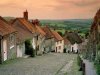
73	37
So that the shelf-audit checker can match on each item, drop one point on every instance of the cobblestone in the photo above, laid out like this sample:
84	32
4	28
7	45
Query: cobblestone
47	64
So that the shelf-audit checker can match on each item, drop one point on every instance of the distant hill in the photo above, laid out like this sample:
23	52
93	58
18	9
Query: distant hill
8	18
81	25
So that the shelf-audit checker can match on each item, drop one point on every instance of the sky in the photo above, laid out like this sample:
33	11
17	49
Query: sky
50	9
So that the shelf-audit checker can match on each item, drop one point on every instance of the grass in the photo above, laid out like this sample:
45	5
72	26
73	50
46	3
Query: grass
66	73
97	66
60	69
10	61
75	69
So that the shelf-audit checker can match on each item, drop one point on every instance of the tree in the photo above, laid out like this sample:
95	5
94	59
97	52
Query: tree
60	33
29	49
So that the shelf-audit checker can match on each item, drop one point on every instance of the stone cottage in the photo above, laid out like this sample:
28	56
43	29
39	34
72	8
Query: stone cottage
49	40
8	48
39	37
25	31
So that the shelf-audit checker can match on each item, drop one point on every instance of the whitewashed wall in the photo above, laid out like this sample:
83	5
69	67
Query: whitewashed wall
21	50
57	44
75	47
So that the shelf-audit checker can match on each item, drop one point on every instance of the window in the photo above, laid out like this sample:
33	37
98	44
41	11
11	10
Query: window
59	47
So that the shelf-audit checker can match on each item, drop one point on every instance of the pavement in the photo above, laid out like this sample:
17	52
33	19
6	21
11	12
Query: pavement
90	70
47	64
66	68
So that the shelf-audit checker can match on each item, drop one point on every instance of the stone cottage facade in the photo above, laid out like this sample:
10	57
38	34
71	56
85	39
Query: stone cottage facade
8	48
39	37
25	32
49	40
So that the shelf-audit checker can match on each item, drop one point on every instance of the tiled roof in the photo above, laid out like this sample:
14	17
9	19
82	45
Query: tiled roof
37	27
40	30
57	36
48	32
27	24
24	28
5	28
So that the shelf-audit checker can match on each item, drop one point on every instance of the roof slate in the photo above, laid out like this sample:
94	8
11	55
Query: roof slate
57	36
48	32
40	30
24	28
5	28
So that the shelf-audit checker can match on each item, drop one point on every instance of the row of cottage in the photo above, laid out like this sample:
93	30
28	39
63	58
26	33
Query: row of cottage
14	33
93	44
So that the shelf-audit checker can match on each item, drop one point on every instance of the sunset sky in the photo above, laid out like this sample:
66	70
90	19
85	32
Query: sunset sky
50	9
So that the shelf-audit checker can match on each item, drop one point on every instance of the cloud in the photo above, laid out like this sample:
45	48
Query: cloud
50	8
79	2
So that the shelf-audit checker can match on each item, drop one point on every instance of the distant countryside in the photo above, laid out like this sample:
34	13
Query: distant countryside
82	26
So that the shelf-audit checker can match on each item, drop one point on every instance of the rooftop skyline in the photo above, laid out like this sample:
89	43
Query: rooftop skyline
50	9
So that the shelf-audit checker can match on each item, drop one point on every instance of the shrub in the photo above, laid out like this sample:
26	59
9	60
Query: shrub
29	49
79	61
98	69
98	46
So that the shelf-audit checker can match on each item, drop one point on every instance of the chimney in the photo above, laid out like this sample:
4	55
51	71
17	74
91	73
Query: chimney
25	15
36	22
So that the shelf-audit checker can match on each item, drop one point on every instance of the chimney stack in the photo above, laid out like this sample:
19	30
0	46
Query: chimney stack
26	15
36	22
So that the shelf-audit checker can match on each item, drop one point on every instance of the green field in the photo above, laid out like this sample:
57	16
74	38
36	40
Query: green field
82	26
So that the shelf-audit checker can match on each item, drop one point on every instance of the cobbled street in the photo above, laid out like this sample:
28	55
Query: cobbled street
47	64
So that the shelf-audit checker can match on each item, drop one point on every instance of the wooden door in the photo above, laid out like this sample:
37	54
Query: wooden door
5	50
19	51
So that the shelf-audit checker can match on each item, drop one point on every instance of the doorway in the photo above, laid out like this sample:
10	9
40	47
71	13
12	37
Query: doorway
56	49
5	50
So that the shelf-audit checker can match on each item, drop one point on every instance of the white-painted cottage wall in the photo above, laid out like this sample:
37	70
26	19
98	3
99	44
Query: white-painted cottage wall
59	44
21	50
34	43
74	47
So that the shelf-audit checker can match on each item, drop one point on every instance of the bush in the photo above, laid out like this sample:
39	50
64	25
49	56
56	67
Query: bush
79	61
29	49
98	69
98	47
